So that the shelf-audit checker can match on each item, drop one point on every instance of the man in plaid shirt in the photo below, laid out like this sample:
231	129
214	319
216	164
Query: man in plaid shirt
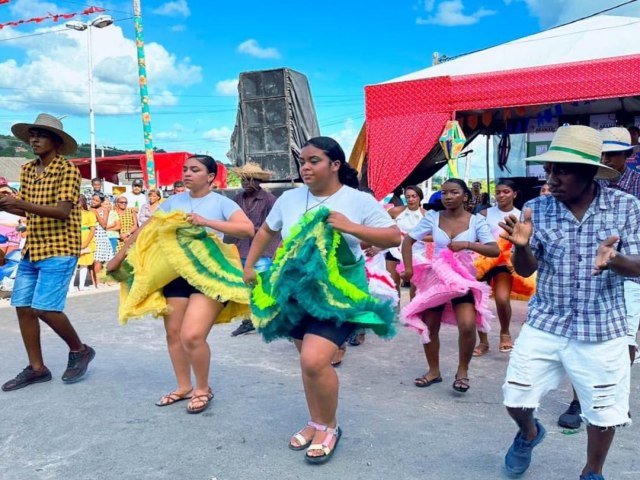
616	147
583	240
49	192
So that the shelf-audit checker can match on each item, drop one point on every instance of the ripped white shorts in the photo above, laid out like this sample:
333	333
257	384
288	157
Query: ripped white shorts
599	371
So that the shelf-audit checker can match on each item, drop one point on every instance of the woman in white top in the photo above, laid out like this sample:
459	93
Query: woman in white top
500	276
406	217
191	312
360	219
447	290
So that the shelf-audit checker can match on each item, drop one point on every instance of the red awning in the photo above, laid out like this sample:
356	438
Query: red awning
404	119
168	166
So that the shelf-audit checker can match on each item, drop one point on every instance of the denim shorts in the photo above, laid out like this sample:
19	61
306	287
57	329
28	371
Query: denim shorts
114	244
43	285
599	371
262	265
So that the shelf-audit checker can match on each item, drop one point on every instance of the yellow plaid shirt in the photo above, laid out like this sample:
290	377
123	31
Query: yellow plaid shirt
50	237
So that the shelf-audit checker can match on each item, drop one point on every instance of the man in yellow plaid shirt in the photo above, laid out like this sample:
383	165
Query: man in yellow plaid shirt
49	192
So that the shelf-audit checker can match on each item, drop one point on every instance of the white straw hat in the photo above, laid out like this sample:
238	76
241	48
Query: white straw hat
616	139
51	124
577	144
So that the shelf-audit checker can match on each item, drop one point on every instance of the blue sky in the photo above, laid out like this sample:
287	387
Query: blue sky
196	50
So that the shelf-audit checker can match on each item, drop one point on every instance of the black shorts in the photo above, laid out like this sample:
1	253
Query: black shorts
391	258
466	298
322	328
179	288
495	271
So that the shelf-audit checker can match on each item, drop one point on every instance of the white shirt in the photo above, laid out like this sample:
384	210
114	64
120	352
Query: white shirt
478	231
212	206
136	201
495	216
357	206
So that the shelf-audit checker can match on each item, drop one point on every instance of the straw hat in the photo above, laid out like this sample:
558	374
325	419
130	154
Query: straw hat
252	170
577	144
616	139
51	124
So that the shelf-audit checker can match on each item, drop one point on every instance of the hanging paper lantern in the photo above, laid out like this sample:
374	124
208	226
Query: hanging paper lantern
472	121
487	118
452	140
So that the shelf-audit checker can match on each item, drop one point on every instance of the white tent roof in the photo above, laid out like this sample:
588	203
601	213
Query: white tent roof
597	37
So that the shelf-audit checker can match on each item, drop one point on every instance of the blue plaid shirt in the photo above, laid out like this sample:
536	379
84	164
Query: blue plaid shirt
629	183
569	301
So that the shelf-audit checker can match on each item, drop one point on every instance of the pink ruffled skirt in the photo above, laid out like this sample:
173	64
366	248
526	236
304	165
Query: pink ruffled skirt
449	275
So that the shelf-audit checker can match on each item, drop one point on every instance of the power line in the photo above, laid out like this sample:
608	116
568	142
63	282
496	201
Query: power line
115	20
547	30
83	4
230	97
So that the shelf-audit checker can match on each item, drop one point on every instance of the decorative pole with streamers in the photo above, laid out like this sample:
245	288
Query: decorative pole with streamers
144	97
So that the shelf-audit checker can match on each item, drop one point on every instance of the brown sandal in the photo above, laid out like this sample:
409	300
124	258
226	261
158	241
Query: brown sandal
506	343
481	349
172	397
204	399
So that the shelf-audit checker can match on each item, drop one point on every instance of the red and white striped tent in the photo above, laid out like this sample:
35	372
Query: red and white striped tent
587	67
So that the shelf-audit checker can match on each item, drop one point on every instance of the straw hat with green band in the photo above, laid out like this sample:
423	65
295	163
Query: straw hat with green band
577	144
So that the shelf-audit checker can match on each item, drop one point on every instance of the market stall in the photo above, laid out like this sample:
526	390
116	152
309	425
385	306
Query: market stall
569	74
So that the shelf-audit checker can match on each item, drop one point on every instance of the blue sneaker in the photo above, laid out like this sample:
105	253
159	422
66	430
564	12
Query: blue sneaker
518	457
591	476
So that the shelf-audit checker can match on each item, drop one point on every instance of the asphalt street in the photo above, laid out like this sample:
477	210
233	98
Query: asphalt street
107	426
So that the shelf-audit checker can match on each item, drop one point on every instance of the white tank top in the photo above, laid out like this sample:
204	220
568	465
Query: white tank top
495	216
407	219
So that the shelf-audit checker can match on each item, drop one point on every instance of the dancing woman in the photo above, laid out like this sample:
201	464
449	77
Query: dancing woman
319	293
204	275
406	217
446	288
499	273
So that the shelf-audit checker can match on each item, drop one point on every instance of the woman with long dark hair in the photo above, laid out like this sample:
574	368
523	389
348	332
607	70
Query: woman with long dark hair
447	290
316	291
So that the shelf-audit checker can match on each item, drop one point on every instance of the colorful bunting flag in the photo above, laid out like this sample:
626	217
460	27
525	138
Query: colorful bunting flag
56	17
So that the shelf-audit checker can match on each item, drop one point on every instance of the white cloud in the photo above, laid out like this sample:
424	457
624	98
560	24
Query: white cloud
450	13
171	135
347	136
251	47
176	7
227	87
429	4
179	28
552	13
222	134
53	69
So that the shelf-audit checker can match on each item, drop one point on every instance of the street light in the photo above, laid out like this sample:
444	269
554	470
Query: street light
98	22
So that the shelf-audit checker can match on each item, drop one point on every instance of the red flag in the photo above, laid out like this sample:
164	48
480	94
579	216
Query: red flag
55	17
